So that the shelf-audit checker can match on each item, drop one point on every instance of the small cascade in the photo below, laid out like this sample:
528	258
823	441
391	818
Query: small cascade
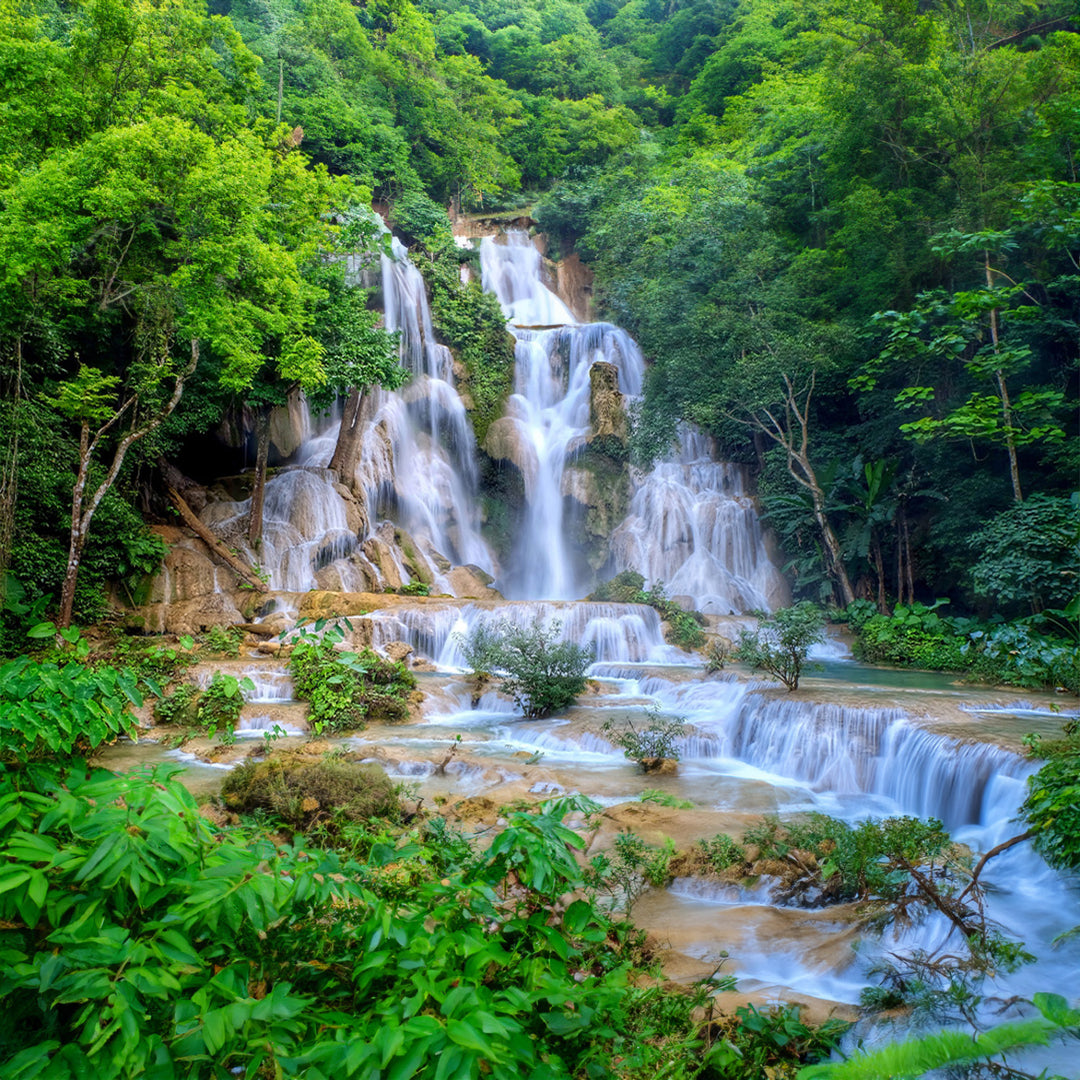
616	632
693	527
849	750
550	405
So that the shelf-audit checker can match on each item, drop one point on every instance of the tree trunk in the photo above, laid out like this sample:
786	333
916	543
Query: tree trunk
258	491
347	450
1006	406
879	569
78	532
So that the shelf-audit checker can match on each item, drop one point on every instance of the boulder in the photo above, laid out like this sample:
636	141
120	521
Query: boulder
508	440
355	512
381	556
186	616
397	651
470	581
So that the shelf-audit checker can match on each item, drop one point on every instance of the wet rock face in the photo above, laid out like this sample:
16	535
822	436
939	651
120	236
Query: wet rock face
607	406
508	441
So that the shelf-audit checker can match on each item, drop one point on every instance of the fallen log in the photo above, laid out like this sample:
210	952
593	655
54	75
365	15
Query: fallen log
215	544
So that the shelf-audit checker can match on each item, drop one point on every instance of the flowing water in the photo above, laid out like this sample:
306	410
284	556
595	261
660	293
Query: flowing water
855	742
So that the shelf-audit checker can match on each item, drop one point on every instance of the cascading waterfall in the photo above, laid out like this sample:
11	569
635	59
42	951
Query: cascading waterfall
691	524
417	466
550	404
629	632
693	527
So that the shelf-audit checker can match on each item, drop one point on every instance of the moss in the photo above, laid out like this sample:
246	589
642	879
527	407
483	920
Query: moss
302	791
472	324
606	501
502	505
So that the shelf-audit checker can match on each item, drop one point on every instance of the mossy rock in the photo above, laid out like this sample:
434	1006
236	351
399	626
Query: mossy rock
302	792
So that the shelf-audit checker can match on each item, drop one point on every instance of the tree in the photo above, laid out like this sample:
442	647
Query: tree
792	433
781	643
542	673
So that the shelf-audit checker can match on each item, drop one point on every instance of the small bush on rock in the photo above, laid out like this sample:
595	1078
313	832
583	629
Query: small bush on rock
344	689
782	642
303	792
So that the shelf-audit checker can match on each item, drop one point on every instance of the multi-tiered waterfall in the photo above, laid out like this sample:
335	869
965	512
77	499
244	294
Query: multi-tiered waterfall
412	509
691	523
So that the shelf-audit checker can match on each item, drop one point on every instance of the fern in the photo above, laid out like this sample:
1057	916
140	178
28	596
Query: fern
915	1057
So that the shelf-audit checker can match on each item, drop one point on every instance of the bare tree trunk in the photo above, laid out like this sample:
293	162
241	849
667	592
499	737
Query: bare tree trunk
1006	405
80	517
258	491
214	543
347	450
879	569
78	534
793	434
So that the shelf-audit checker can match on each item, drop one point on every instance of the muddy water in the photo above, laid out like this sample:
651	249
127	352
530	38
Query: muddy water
846	744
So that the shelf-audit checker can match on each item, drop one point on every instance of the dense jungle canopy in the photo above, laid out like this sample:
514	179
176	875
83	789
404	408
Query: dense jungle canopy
854	228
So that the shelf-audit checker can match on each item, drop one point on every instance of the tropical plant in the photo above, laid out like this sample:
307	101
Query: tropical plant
920	1056
656	742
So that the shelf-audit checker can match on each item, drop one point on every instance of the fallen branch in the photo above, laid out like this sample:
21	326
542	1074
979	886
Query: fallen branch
215	544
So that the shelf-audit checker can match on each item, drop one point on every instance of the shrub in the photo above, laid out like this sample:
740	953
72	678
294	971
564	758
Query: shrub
782	642
628	587
722	851
178	707
415	588
717	657
223	641
54	710
344	689
541	673
1052	806
219	705
302	792
655	743
664	798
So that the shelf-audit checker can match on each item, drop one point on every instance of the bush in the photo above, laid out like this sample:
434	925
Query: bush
541	673
653	744
1052	806
178	707
781	643
220	704
303	792
54	710
223	641
722	852
344	689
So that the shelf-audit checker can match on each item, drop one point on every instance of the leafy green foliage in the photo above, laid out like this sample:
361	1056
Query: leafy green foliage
722	852
52	709
1030	554
869	861
219	704
137	941
415	588
1020	653
345	689
541	672
223	641
1052	806
178	707
630	868
782	641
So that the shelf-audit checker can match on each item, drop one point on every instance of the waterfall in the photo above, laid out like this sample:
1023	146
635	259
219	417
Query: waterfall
691	523
417	467
616	632
693	527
